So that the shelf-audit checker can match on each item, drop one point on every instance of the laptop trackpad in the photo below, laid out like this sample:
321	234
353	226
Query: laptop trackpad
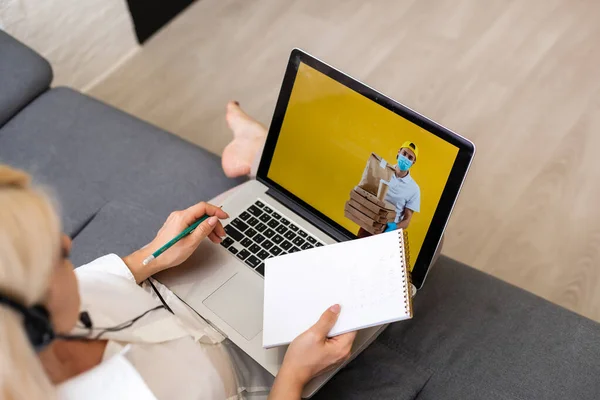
239	302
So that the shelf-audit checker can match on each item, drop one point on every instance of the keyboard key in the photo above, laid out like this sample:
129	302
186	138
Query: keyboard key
250	232
246	242
242	255
245	216
303	234
261	227
277	239
268	210
253	221
276	216
254	210
234	233
273	223
319	245
264	218
281	229
284	221
310	239
294	227
227	242
298	241
269	233
290	235
232	250
276	251
259	203
267	244
254	248
253	261
286	245
259	238
239	224
261	269
306	246
263	254
294	249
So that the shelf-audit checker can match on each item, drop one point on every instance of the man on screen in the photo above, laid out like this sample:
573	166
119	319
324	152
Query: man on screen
403	191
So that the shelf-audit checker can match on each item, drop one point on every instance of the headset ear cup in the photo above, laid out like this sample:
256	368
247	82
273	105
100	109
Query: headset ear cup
36	322
38	327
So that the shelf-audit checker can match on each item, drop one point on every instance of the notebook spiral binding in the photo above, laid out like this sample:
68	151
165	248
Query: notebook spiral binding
403	238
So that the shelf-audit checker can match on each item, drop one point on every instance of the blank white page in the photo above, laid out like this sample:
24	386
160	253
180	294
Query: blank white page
367	277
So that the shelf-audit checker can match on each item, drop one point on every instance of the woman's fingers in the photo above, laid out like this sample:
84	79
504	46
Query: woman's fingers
204	229
327	321
196	211
218	233
214	237
219	230
211	228
343	345
346	338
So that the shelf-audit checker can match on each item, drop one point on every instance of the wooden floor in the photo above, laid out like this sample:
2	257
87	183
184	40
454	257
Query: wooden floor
519	78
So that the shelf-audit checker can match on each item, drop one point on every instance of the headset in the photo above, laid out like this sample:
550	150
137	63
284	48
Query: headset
40	332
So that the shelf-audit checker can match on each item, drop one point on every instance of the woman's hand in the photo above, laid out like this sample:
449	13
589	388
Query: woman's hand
182	250
310	354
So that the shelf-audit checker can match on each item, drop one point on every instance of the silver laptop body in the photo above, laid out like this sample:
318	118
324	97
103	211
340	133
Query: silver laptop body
228	294
224	285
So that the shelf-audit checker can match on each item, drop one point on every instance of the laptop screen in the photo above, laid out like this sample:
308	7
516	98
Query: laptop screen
338	150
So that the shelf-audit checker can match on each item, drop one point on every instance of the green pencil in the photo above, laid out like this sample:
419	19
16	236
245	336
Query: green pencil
176	239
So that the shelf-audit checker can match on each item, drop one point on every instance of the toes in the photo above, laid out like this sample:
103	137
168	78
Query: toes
235	117
232	106
234	110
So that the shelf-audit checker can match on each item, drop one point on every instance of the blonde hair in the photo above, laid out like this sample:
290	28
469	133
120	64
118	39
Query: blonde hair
29	250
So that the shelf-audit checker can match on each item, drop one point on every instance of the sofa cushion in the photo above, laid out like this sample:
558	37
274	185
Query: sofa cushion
119	228
92	154
23	76
475	337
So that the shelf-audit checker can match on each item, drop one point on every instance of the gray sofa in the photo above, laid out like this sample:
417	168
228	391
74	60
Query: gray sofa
117	178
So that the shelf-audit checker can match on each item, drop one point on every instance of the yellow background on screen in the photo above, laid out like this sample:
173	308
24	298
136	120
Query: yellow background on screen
327	135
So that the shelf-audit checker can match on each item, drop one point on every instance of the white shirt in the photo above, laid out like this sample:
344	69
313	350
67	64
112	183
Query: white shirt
177	356
114	379
403	193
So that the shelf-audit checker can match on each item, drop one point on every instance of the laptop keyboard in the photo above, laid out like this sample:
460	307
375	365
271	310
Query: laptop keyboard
260	232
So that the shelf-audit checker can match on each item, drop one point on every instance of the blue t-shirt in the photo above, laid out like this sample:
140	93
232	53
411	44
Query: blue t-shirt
403	193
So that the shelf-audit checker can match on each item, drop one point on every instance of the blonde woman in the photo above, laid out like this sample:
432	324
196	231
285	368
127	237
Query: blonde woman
127	344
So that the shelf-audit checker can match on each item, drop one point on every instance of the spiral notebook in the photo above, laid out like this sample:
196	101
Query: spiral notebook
368	277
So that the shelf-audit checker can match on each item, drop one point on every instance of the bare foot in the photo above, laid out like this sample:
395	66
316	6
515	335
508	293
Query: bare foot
248	138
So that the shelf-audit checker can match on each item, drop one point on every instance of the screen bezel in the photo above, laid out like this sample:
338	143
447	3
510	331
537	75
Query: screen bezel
466	151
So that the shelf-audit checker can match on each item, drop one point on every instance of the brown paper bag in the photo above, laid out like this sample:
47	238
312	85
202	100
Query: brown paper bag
376	170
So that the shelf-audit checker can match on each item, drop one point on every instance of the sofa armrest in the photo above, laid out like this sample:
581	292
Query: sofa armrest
24	75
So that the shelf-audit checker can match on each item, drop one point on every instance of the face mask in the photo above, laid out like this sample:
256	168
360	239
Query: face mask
404	163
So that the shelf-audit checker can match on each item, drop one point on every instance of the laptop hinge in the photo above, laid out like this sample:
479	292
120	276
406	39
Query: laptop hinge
307	215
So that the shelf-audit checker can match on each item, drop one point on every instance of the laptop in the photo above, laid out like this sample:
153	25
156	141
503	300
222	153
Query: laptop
325	127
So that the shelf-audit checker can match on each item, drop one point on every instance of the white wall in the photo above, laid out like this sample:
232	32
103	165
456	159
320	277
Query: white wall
82	39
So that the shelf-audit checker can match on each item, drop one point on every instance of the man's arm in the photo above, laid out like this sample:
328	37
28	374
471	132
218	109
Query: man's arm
403	224
408	213
413	205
